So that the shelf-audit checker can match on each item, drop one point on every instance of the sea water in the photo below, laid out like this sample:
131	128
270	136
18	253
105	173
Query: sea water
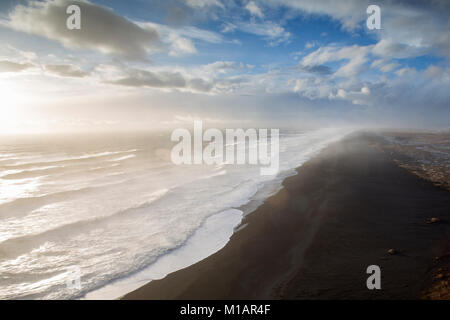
118	210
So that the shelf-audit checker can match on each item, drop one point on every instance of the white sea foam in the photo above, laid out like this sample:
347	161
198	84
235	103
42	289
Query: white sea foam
43	159
127	223
123	158
208	239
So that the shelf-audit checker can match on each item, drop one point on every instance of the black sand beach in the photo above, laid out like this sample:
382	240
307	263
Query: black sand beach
315	238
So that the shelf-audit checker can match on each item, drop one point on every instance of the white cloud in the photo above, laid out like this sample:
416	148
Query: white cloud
66	70
9	51
390	49
254	9
357	97
10	66
121	38
228	27
341	93
406	72
356	56
207	79
440	73
365	90
311	44
221	67
389	67
180	46
311	88
204	3
272	32
180	41
189	32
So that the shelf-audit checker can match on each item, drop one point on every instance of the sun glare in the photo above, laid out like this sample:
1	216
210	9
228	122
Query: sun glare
11	108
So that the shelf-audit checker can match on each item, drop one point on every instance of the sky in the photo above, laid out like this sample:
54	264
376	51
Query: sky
151	64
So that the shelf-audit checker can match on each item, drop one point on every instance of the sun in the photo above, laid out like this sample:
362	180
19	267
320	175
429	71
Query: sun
11	107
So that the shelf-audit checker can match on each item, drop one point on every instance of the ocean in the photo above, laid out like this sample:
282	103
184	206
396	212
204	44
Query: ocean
117	210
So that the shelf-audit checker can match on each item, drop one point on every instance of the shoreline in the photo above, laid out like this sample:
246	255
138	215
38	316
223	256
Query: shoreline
315	238
196	248
221	225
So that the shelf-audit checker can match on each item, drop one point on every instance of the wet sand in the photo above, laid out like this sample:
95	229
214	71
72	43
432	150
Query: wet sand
315	238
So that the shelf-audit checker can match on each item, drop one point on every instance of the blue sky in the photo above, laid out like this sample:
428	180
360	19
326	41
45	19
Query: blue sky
147	64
